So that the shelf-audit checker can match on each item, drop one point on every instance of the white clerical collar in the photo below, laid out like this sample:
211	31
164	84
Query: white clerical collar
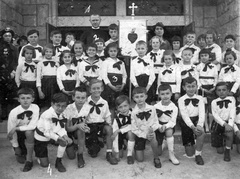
95	28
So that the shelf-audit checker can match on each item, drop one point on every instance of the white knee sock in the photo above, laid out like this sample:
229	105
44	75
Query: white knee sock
130	147
170	143
60	151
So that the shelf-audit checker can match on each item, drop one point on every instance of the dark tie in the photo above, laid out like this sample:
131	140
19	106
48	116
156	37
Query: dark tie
38	48
57	47
142	61
160	112
229	68
70	72
144	115
166	71
93	67
97	106
223	103
52	63
187	71
27	113
207	65
177	60
237	110
153	56
117	65
32	67
193	100
62	122
125	119
77	120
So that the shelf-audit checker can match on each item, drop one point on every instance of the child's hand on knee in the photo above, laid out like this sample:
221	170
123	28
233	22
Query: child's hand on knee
86	129
199	130
67	139
10	134
81	126
228	128
62	142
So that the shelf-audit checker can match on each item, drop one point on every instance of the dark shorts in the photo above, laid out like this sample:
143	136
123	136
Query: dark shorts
188	137
21	142
121	138
40	148
72	135
236	140
160	136
218	135
140	143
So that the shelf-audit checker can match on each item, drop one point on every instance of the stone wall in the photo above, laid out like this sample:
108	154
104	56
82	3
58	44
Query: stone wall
11	15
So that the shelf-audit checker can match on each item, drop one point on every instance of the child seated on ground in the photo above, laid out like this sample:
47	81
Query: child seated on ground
224	112
236	125
99	122
144	124
167	114
22	121
76	113
122	129
191	107
51	125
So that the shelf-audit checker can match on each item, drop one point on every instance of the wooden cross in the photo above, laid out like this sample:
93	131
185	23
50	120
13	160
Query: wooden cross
133	7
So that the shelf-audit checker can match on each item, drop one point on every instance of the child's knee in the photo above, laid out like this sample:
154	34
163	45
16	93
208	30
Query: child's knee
108	130
29	136
44	162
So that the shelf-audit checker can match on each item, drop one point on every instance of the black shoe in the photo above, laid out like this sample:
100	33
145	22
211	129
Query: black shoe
28	166
227	157
59	165
112	160
157	163
21	158
199	160
130	160
81	161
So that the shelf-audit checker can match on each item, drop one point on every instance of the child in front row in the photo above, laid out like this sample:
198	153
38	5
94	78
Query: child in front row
167	114
142	72
76	113
99	122
144	124
22	121
191	107
236	125
224	112
122	129
51	126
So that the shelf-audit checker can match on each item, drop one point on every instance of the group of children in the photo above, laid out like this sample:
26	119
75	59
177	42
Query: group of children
183	79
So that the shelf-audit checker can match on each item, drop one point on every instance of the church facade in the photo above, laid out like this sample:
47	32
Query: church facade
222	16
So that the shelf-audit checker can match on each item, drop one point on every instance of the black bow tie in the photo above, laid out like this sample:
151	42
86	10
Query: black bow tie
207	65
97	106
167	71
125	119
93	67
160	112
57	47
177	60
27	113
38	48
117	65
70	72
62	122
32	67
144	114
229	68
77	120
187	71
237	110
194	101
223	103
142	61
153	56
52	63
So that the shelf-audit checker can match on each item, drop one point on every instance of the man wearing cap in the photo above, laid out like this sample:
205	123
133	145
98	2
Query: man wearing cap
95	32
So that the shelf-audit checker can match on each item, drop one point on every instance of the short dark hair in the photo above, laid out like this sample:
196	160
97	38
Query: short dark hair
54	32
92	45
111	45
59	98
62	54
221	83
189	80
77	42
70	33
29	47
204	51
32	31
113	27
230	36
190	32
122	98
176	38
164	87
99	40
139	90
25	91
230	52
81	88
201	36
190	49
50	46
168	52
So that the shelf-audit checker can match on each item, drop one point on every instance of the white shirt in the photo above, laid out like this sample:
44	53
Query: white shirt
190	110
237	61
224	114
28	123
193	71
158	57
